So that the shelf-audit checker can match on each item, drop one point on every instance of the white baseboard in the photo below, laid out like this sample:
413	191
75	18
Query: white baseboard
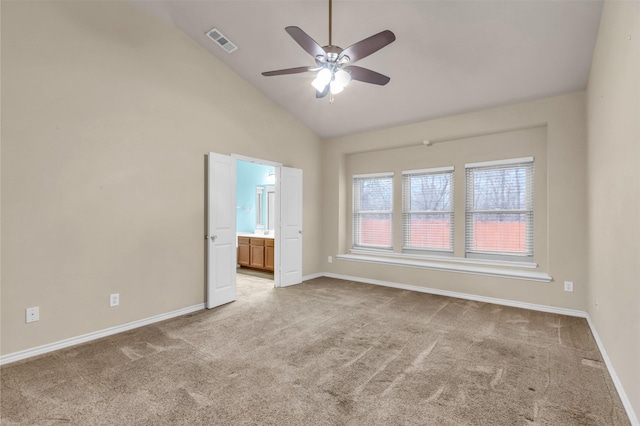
476	298
39	350
312	276
535	307
614	377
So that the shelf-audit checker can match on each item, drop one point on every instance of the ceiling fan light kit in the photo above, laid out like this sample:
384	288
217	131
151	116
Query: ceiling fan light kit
337	80
332	62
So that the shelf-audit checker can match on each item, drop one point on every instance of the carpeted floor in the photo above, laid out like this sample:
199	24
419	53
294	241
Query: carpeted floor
326	352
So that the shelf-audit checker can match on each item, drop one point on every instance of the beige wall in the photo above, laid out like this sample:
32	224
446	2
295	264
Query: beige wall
614	191
107	117
555	137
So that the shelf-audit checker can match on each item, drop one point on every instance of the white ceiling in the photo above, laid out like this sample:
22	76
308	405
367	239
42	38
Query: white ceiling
449	56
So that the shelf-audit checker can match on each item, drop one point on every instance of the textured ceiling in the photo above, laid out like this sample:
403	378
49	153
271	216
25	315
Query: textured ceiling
449	56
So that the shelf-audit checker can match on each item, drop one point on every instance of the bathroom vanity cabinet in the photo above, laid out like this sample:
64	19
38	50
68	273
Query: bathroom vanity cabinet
256	252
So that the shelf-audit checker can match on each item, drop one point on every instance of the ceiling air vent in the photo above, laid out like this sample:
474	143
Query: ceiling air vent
221	40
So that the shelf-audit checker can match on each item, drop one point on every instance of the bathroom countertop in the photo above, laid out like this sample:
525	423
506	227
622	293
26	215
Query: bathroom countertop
256	234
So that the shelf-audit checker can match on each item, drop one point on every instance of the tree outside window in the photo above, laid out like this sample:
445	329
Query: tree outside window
373	211
428	210
499	217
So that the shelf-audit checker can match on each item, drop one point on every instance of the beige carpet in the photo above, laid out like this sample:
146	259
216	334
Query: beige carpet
326	352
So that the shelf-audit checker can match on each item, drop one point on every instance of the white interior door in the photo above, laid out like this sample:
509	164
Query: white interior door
221	225
289	253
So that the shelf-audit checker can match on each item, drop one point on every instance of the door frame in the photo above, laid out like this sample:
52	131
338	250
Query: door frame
277	281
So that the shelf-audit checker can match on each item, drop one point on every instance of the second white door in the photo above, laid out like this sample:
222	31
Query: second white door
289	245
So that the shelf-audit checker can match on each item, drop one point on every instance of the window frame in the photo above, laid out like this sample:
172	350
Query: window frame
407	212
356	214
529	211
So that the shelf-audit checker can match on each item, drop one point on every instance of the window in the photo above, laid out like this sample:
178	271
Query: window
499	209
427	210
373	211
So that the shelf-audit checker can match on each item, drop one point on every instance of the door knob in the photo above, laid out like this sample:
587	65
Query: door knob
213	237
300	232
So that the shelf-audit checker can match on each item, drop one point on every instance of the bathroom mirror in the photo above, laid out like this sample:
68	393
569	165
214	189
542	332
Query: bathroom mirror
259	207
271	207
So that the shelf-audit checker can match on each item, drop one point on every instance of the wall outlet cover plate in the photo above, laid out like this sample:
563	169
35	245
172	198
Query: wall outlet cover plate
33	314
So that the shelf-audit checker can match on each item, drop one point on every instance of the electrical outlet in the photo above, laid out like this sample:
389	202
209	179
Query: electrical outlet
330	259
114	300
33	314
568	286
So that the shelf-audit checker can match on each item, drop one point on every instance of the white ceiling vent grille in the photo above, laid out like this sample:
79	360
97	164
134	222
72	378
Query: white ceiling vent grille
221	40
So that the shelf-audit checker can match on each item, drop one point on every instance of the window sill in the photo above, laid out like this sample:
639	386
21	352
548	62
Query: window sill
464	266
448	257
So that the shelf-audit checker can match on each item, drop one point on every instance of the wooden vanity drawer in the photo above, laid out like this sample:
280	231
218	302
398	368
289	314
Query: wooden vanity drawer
257	241
243	240
268	243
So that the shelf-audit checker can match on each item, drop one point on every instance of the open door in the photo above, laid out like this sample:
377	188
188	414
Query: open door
289	254
221	226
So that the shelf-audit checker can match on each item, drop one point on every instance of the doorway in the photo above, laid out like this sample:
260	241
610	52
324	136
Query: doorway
222	240
255	220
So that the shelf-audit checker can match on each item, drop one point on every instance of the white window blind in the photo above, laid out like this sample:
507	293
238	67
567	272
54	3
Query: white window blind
373	211
427	209
499	208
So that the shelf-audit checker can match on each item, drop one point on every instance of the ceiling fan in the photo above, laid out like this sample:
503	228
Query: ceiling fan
333	67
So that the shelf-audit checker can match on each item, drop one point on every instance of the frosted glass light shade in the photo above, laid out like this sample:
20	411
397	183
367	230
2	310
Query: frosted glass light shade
322	79
342	78
319	85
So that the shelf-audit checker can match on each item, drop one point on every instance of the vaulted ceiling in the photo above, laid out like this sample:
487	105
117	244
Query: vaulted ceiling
449	56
